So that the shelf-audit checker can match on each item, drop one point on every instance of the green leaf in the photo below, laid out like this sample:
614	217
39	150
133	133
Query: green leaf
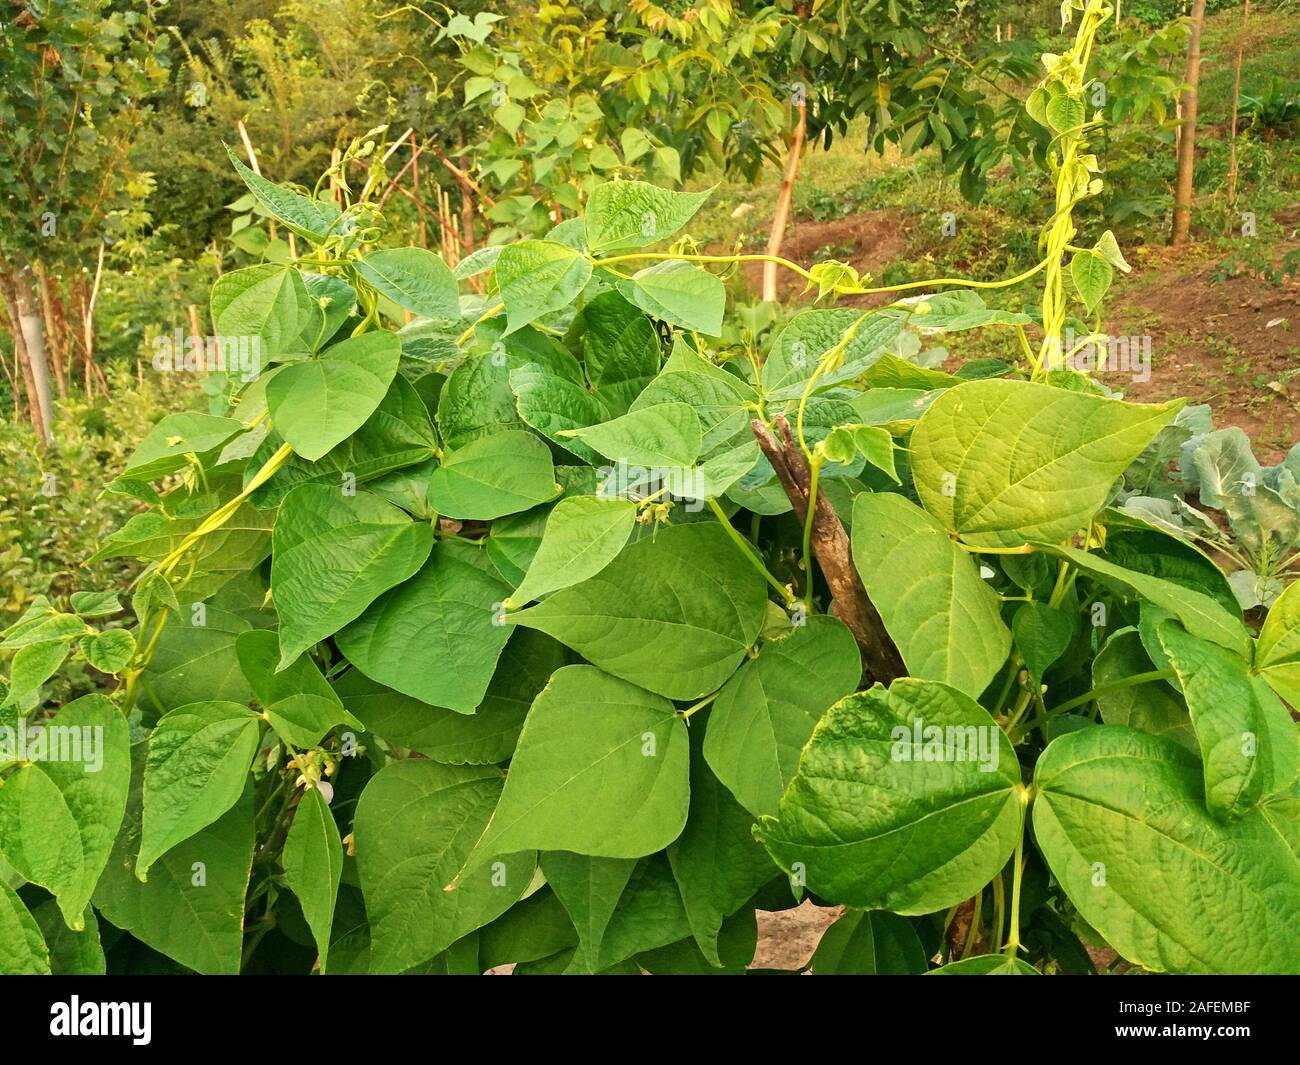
109	651
1108	248
1092	275
313	219
891	810
414	279
674	614
319	403
650	914
477	401
166	446
537	277
447	613
199	757
396	437
767	711
633	214
96	604
1200	614
1042	634
31	667
1120	817
194	660
416	823
313	866
1003	462
299	703
845	443
680	294
664	435
60	812
1153	707
601	768
22	950
869	943
267	304
1277	657
799	347
986	965
723	402
485	737
333	556
583	535
1247	738
945	620
192	908
589	889
71	953
493	476
620	350
717	863
1064	113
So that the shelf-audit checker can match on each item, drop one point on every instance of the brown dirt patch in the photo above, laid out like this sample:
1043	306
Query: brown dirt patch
1234	344
867	242
787	938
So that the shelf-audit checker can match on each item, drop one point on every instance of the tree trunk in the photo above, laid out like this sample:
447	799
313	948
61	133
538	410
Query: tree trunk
782	216
1187	137
1236	94
53	337
830	544
15	315
32	328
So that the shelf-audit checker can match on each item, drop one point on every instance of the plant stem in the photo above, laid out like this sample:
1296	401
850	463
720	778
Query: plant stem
748	551
1013	940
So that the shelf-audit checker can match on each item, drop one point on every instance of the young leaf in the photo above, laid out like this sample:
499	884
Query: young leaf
622	215
176	436
313	866
493	476
109	651
414	279
334	555
308	217
59	813
945	620
680	294
767	711
199	757
869	943
1044	481
601	768
319	403
267	303
1120	817
674	614
1091	274
583	535
537	277
446	613
192	907
664	435
907	799
22	950
299	703
1248	741
404	862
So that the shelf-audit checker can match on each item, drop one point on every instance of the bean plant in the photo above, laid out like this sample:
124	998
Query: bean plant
535	627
